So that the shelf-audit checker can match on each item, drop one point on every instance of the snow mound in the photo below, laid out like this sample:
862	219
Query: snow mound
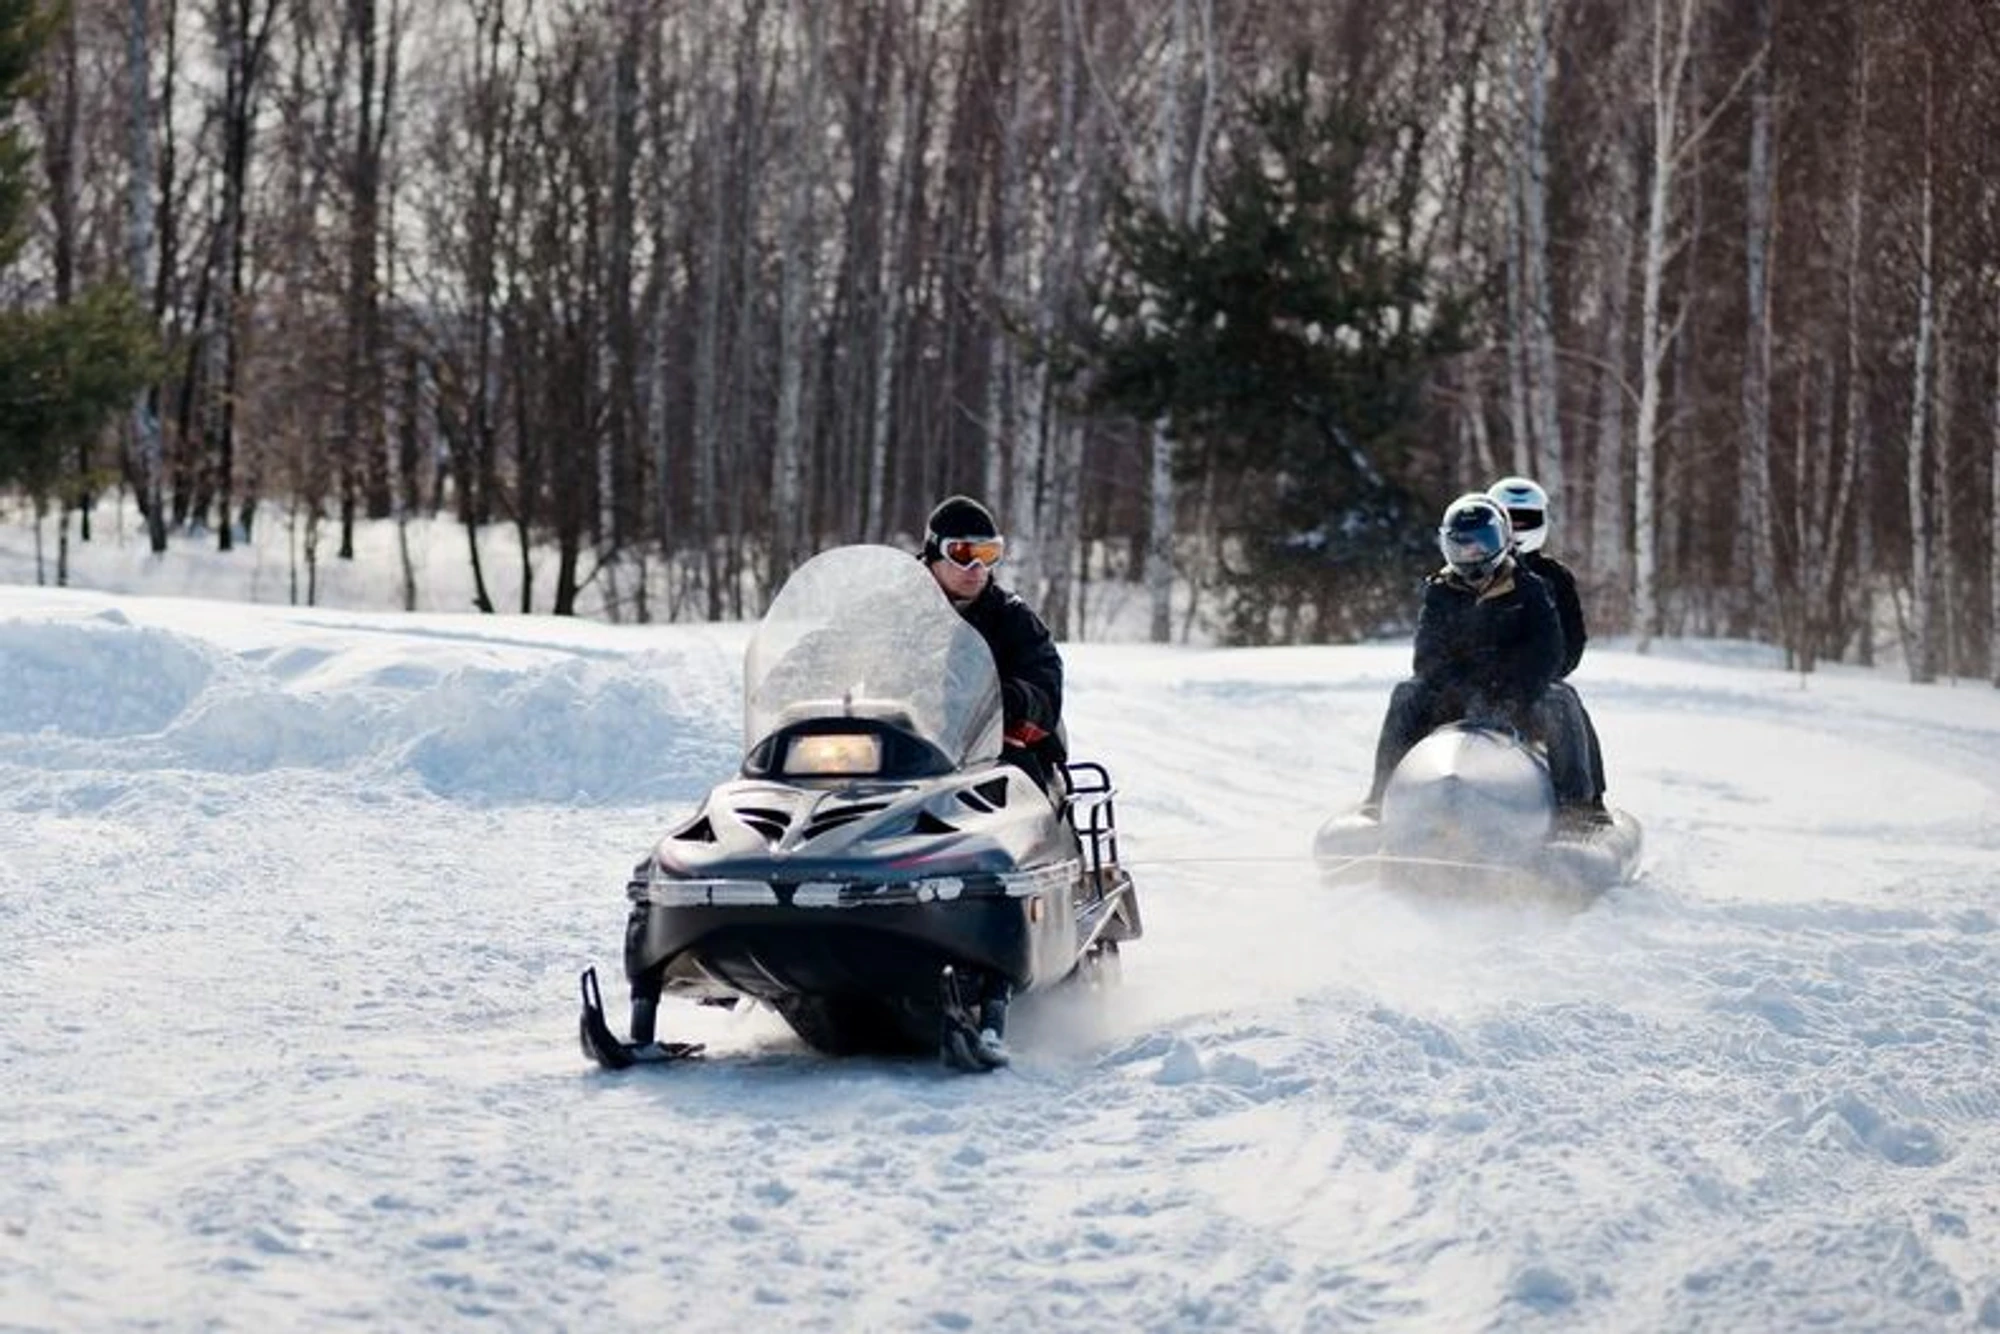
101	677
577	732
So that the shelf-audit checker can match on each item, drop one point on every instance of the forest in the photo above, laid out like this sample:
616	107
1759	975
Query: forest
1225	298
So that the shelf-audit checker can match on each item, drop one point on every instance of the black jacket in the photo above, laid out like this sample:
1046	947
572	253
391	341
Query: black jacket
1569	607
1031	671
1497	647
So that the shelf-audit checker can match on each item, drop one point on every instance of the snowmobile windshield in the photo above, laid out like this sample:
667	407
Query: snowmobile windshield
865	632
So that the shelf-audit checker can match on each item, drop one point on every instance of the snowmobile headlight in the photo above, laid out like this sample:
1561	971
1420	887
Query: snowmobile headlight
831	753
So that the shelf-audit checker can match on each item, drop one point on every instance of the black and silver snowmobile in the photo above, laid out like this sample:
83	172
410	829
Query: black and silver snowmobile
875	874
1471	811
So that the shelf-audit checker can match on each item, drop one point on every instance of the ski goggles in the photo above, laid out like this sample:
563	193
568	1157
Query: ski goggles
967	552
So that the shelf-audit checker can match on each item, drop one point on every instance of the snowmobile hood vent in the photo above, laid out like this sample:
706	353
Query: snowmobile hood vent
841	815
926	823
770	823
987	797
701	831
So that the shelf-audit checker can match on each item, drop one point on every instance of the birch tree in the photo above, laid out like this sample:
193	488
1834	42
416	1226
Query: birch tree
363	465
1609	533
1676	134
1543	383
1860	453
1754	552
1993	514
1944	613
1918	646
1178	194
1668	65
147	445
243	32
796	237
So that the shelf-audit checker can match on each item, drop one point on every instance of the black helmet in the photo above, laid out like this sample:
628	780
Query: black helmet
956	516
1474	536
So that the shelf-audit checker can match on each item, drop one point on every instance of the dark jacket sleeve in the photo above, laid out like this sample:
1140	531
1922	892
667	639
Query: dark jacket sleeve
1434	659
1538	657
1569	607
1030	668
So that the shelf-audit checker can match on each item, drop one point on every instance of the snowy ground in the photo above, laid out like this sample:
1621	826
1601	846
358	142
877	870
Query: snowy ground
292	905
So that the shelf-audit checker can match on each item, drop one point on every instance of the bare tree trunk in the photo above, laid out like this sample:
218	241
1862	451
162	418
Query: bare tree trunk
61	148
1482	463
1012	450
145	413
1993	524
1922	664
1160	474
913	117
1667	65
1754	552
403	494
708	358
659	442
1945	578
1610	535
1860	453
479	477
621	473
1178	196
1791	615
1518	395
1047	499
1829	527
360	413
1030	439
796	229
1544	384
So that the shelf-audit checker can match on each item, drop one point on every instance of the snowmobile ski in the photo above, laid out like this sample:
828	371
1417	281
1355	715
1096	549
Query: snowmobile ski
970	1034
603	1046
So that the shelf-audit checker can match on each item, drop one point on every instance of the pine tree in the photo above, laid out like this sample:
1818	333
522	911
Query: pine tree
1287	344
64	371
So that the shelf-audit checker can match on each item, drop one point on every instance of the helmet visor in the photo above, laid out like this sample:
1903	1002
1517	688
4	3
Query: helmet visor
1473	548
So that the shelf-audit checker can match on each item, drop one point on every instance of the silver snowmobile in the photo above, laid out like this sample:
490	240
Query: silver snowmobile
875	873
1470	812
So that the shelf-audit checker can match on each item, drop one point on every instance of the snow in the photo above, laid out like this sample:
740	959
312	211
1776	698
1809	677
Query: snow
292	903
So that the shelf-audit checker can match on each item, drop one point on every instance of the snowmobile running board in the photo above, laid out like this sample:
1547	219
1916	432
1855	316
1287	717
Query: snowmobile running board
603	1046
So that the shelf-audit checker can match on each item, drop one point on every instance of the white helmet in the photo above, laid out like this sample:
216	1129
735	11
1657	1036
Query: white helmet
1527	507
1474	536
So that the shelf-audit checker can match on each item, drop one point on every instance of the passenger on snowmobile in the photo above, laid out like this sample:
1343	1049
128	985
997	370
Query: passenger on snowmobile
962	544
1488	644
1527	506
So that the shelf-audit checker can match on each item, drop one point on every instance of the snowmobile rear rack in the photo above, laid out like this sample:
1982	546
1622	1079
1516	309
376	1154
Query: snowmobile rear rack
1093	814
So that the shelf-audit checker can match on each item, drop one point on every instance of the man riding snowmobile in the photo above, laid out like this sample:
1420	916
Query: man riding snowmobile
1527	506
1488	645
962	544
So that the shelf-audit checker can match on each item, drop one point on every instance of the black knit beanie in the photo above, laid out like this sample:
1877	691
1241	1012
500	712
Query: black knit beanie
957	516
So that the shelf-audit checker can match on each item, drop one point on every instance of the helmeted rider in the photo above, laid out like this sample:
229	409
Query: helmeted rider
1488	644
1527	506
962	544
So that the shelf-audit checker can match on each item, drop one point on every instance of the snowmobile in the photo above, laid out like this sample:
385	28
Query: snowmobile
875	873
1470	811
